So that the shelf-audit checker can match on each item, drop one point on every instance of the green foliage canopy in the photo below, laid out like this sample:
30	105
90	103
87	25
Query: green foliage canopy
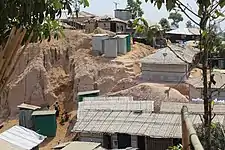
149	31
176	17
165	24
35	15
135	7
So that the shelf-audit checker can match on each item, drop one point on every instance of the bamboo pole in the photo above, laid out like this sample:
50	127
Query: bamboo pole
2	56
14	51
192	136
11	55
185	137
10	71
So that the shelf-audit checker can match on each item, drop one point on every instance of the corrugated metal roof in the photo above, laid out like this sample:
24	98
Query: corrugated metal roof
22	138
219	70
166	56
144	124
100	35
198	83
81	146
28	106
43	112
84	14
185	31
121	36
194	31
173	107
124	105
88	92
111	98
107	18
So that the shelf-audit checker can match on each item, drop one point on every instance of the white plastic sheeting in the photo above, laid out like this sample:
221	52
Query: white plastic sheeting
22	138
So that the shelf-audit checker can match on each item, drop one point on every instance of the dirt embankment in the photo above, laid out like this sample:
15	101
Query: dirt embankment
152	92
57	70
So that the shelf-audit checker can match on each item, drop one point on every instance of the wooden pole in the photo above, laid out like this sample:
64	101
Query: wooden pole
185	137
189	136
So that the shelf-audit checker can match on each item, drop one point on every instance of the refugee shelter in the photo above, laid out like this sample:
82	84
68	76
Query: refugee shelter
184	34
126	123
107	23
45	122
82	95
193	108
170	64
196	86
20	138
25	115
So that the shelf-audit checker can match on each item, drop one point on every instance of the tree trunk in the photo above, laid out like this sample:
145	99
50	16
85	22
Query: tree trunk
205	97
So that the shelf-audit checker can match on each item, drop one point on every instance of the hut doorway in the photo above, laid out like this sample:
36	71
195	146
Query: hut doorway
141	142
113	27
107	141
124	140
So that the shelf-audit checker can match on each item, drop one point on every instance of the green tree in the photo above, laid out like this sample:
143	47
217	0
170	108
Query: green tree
165	24
208	13
177	147
145	29
176	17
135	8
189	24
36	15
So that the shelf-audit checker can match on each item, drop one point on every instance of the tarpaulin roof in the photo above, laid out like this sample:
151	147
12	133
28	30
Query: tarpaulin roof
185	31
22	138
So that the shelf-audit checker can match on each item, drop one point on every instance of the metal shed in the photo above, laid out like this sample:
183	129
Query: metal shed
166	66
110	47
81	95
97	42
128	42
25	115
45	122
122	44
20	138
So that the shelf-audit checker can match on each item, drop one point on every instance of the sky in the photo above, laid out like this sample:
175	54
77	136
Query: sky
151	12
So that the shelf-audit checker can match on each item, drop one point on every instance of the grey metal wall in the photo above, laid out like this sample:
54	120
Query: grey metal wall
110	47
123	15
197	93
163	72
25	118
122	45
97	43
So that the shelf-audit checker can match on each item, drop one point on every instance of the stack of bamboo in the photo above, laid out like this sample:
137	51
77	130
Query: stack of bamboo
10	54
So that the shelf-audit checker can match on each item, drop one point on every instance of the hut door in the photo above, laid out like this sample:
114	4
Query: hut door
124	140
141	142
107	141
113	27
